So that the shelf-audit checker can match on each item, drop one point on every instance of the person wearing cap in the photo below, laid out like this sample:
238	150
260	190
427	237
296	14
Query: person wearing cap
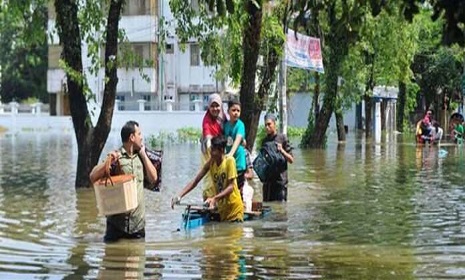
212	125
275	188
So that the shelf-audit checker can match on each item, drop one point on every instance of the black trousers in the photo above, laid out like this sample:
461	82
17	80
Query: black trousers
240	180
113	234
274	191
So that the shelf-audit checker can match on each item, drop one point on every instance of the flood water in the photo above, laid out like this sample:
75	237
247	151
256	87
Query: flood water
358	211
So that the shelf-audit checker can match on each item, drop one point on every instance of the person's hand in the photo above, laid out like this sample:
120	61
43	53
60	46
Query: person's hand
115	155
280	147
211	201
175	200
142	150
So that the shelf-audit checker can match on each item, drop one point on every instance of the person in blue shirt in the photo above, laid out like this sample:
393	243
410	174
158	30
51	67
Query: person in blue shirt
234	131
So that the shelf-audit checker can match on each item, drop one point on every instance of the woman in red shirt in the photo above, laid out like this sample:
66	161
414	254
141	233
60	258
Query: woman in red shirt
212	125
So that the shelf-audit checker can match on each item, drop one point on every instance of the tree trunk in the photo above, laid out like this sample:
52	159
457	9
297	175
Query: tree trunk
383	114
318	136
316	97
251	104
90	141
341	133
358	116
312	114
401	100
368	116
337	51
370	58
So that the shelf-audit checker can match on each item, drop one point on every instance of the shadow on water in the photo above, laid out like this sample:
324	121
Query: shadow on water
356	210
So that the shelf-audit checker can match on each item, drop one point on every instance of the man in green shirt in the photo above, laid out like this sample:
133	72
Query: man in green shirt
132	159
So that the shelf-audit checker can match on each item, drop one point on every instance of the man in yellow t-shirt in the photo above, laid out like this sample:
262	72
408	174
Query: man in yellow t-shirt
223	172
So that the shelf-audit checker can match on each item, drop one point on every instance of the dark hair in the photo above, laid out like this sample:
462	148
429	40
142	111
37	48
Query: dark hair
270	116
219	142
233	102
128	129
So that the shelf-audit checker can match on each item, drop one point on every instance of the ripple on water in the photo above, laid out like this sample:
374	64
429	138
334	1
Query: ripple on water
354	212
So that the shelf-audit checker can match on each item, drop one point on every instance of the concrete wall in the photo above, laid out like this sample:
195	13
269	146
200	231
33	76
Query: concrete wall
152	122
155	121
299	108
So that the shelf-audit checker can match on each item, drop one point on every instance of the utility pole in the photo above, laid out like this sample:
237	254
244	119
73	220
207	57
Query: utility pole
282	95
160	56
283	82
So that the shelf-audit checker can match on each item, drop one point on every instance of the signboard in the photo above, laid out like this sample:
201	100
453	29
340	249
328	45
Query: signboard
303	52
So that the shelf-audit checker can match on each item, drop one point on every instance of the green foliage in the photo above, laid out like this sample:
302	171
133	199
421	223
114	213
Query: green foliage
193	135
306	139
23	59
451	12
261	133
291	132
189	134
217	29
440	73
295	131
182	135
385	50
299	80
30	100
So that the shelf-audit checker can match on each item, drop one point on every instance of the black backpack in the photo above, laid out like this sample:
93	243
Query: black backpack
269	162
156	157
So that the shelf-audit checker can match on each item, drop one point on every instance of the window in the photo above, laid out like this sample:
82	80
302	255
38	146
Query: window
136	7
205	101
139	50
169	49
147	98
139	55
121	99
195	55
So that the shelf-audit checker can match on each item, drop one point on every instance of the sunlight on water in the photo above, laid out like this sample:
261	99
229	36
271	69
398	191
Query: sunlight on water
389	211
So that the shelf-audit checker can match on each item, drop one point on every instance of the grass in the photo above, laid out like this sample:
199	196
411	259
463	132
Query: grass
182	135
193	135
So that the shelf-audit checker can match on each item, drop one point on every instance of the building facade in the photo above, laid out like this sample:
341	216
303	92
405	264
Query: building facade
175	80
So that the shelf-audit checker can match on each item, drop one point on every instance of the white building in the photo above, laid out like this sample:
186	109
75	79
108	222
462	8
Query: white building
178	79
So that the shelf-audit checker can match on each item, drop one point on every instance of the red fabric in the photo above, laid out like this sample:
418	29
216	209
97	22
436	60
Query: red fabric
211	126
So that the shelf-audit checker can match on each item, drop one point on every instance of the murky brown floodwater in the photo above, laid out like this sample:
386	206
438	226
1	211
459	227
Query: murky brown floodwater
386	211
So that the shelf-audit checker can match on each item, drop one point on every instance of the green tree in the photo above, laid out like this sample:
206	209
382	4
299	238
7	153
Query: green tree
437	69
452	13
340	23
74	26
381	57
439	75
233	34
23	59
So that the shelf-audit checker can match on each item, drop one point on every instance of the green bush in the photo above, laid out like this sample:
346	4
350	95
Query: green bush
182	135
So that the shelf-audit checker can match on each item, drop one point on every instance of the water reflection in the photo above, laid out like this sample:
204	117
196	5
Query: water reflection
355	211
123	260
